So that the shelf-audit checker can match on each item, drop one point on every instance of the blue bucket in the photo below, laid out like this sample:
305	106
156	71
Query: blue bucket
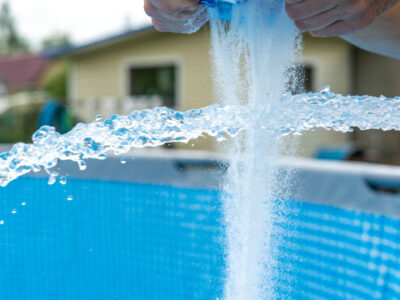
224	7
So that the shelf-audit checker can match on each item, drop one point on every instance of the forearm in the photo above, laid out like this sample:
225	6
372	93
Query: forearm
382	37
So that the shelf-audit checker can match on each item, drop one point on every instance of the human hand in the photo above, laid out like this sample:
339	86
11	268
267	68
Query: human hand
324	18
179	16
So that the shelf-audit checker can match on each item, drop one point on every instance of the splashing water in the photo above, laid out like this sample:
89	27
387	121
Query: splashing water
155	127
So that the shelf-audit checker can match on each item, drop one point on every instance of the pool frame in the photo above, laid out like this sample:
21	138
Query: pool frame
352	185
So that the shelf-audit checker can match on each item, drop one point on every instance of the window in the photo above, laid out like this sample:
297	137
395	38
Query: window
300	79
154	83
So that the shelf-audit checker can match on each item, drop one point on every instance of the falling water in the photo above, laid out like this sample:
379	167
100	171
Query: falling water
251	56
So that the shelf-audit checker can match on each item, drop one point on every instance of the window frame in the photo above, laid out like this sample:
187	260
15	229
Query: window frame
154	62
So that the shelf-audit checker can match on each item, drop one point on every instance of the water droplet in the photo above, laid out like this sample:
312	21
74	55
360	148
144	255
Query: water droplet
325	89
23	203
1	222
52	179
70	198
98	118
91	143
52	173
36	168
123	160
14	211
63	180
82	165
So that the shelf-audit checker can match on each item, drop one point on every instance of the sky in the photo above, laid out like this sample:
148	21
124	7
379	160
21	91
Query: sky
84	20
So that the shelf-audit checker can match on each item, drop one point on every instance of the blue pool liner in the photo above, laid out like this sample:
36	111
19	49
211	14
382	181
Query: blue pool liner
127	240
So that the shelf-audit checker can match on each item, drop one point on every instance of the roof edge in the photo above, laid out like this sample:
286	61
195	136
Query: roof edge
70	50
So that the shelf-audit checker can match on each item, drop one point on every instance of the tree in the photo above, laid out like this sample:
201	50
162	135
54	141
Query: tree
55	40
10	39
55	84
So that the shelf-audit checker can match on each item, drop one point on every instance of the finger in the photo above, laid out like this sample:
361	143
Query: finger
163	26
309	8
324	19
175	7
189	27
172	28
152	11
198	21
343	27
181	19
293	1
200	15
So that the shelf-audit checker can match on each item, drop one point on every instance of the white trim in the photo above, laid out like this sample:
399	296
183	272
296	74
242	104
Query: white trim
342	167
154	61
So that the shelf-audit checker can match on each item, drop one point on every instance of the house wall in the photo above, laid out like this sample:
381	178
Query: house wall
376	75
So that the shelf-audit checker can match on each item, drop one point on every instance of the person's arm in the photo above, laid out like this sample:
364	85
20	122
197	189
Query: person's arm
370	24
382	37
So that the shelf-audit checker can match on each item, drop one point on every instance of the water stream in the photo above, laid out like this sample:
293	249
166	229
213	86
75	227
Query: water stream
155	127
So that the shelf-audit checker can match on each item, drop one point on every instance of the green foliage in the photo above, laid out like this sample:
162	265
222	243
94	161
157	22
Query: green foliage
10	39
56	85
55	40
18	124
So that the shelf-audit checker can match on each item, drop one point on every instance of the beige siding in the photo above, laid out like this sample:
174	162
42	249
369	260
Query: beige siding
102	73
331	59
376	75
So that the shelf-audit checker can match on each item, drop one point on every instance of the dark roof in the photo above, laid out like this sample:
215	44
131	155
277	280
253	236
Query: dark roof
22	71
52	53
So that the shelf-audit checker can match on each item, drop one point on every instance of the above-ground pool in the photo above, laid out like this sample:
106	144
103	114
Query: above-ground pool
152	229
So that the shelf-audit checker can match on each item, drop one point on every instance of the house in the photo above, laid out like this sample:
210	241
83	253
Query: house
21	95
21	72
142	68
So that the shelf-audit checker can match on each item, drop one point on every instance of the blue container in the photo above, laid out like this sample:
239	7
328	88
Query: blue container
224	7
